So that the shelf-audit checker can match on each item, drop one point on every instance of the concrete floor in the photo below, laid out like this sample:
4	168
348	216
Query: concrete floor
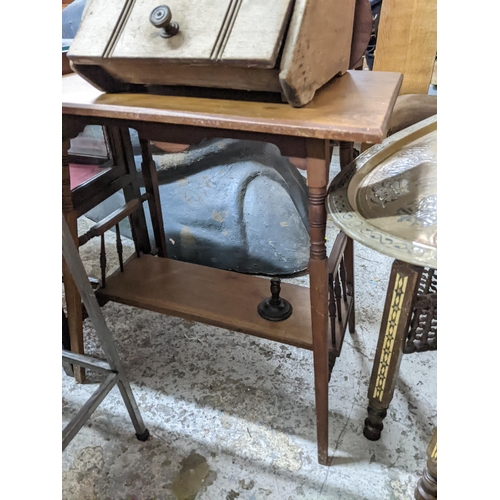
232	416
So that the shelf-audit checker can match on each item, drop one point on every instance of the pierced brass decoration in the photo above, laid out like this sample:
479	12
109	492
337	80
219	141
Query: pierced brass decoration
390	334
387	197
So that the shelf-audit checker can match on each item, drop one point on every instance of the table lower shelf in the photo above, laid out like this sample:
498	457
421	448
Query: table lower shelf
212	296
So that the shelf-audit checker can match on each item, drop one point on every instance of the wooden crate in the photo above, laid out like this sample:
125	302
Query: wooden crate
287	47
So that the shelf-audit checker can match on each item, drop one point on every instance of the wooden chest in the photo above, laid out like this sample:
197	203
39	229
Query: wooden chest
290	48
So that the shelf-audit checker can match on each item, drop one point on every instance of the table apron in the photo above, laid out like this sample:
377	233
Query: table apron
291	146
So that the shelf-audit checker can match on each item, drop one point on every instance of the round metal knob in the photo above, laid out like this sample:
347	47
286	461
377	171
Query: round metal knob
161	17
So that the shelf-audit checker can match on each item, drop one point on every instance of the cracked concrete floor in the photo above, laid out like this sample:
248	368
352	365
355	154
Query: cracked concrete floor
232	416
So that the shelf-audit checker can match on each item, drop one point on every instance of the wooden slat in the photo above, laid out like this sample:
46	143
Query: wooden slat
257	33
98	24
407	42
212	296
162	72
318	46
199	24
111	220
337	253
95	190
355	107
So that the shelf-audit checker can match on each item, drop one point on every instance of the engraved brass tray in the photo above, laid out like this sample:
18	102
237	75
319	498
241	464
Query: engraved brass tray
386	198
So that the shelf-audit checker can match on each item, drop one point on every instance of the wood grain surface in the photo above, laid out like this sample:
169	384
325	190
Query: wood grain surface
211	296
97	26
257	33
318	46
407	42
152	72
199	25
354	107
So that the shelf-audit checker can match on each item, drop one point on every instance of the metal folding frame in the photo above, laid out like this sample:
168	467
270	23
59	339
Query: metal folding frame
112	366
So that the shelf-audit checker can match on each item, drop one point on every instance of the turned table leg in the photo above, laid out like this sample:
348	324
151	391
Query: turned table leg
318	163
427	485
401	293
73	300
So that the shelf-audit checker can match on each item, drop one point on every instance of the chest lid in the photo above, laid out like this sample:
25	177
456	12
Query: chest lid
246	33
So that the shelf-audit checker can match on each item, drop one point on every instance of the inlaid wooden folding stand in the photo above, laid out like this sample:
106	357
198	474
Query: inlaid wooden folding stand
387	200
353	108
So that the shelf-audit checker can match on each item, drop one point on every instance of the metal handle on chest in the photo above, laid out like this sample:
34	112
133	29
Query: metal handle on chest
161	18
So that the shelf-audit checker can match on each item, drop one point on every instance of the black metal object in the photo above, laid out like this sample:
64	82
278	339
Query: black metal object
275	308
231	204
161	17
142	436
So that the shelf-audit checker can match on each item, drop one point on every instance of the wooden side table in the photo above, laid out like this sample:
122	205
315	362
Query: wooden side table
353	108
120	174
387	200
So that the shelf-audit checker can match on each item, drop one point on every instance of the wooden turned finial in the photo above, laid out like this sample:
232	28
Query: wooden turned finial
373	424
275	308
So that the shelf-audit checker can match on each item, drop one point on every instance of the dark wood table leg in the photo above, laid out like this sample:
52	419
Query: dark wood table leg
349	269
73	300
122	151
346	156
427	485
346	153
401	294
150	176
318	163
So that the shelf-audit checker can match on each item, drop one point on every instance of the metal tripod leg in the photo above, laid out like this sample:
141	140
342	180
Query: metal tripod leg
113	366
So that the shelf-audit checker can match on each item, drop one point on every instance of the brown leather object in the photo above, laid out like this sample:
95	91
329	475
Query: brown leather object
410	109
362	31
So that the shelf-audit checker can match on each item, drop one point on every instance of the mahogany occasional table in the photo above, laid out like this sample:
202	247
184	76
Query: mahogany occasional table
355	107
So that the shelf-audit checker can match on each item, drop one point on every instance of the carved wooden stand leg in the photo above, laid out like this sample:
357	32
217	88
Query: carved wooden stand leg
399	302
427	485
318	162
73	301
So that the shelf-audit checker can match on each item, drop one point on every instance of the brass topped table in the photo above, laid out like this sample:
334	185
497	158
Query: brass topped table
355	107
386	199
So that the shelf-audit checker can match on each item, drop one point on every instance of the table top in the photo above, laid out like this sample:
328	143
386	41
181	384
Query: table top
354	107
386	198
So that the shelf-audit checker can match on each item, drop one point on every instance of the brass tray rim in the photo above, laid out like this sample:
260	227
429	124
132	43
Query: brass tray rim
341	194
